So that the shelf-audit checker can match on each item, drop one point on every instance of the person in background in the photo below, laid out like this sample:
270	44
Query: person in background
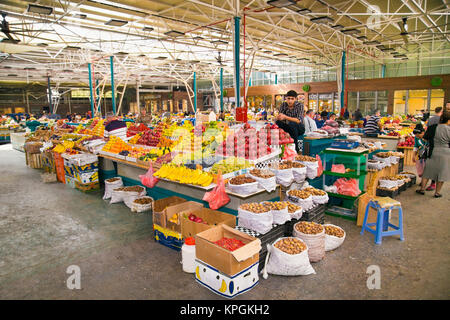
438	160
357	115
310	124
319	121
373	126
144	117
290	117
69	117
344	113
435	119
324	115
419	149
332	121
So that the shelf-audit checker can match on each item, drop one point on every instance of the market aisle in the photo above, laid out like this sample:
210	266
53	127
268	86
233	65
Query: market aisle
44	228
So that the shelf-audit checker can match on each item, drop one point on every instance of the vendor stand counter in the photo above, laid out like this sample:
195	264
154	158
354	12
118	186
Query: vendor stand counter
390	141
314	145
129	172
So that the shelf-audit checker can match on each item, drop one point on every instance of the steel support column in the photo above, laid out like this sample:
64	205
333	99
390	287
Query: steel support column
113	94
236	53
221	89
90	89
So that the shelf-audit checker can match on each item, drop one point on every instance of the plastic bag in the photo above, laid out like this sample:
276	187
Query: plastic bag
333	242
315	243
136	207
245	188
130	196
299	174
148	179
217	197
420	166
296	214
320	199
110	186
289	154
388	184
281	216
306	203
311	168
320	167
338	168
268	184
284	264
259	222
347	187
284	177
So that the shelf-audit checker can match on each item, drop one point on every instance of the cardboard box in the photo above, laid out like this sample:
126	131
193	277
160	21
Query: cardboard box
227	262
179	209
213	217
362	204
159	206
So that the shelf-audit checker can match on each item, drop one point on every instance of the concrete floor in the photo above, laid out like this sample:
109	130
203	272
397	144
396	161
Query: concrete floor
44	228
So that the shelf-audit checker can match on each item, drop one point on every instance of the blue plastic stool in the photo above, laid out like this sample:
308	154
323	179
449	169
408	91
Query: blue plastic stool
383	205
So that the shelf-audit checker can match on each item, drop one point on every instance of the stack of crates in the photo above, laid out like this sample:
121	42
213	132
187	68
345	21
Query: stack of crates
59	166
85	175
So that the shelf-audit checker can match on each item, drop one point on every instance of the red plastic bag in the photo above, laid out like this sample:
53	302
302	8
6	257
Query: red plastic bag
320	168
217	197
289	154
420	166
338	168
348	187
148	179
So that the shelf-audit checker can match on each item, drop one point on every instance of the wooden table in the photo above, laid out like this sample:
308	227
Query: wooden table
409	155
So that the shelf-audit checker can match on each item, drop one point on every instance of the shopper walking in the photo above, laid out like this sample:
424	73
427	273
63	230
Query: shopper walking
435	119
290	117
419	155
437	166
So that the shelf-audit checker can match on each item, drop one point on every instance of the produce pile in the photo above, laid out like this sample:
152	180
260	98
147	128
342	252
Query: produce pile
309	227
265	174
184	175
334	231
303	194
290	245
242	179
293	207
230	244
254	207
230	165
305	158
278	205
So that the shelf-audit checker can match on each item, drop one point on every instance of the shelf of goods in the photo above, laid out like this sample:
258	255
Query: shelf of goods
355	160
129	172
409	155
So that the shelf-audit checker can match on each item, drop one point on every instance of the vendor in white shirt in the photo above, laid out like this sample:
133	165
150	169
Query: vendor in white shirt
310	123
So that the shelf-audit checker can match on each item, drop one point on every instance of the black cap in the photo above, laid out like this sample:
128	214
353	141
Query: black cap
292	93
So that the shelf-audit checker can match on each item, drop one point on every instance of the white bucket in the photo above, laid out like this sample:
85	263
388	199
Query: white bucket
188	255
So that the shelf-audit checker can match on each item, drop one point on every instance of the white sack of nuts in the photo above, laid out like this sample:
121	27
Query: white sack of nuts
313	234
269	184
256	217
299	174
288	256
284	177
110	185
279	211
334	236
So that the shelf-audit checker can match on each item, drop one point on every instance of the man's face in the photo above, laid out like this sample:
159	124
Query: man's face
311	115
378	114
290	101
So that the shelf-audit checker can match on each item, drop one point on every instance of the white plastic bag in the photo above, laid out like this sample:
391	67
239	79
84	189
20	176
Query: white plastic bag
284	177
245	188
306	203
110	186
284	264
269	184
259	222
130	196
385	160
315	243
320	199
296	214
299	174
311	168
116	196
136	207
388	184
333	242
281	216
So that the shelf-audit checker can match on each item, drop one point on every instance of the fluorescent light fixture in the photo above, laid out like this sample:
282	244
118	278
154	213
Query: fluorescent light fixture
198	38
80	16
381	46
302	59
194	61
121	53
350	31
362	38
68	70
6	67
219	42
338	26
400	56
406	58
322	19
29	68
141	55
280	55
371	43
116	23
42	44
387	49
161	58
174	33
72	48
304	11
12	75
7	40
148	29
34	8
267	51
281	3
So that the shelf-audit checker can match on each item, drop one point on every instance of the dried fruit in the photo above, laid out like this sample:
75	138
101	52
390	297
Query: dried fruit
242	179
334	231
254	207
309	227
305	158
315	192
130	189
299	193
144	200
293	208
112	180
290	245
279	205
265	174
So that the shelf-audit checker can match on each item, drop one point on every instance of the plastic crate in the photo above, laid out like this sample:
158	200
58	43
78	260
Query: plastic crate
387	193
403	187
344	144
